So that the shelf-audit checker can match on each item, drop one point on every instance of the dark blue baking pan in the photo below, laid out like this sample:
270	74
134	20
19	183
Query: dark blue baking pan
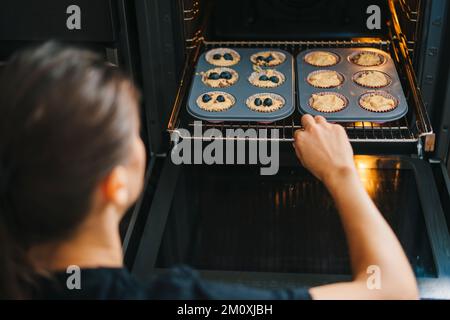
349	89
243	89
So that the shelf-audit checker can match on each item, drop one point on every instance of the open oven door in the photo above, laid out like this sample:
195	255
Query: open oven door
281	231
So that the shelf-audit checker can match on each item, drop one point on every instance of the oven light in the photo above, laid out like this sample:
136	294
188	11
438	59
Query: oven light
369	178
366	125
361	164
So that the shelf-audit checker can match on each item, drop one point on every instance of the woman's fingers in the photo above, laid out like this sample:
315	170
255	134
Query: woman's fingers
307	121
320	120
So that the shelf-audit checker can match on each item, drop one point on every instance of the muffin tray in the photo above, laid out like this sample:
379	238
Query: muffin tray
349	89
243	89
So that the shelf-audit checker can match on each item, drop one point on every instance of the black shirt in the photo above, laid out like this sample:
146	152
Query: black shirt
179	284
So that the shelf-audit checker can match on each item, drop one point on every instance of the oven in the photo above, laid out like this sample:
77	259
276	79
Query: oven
230	222
234	225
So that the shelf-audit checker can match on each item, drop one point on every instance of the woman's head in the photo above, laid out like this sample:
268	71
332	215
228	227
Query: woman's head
69	145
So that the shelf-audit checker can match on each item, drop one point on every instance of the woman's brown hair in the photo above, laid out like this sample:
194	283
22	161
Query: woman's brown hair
66	119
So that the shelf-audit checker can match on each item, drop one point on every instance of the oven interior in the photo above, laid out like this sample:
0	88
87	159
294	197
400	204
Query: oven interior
297	25
291	20
235	225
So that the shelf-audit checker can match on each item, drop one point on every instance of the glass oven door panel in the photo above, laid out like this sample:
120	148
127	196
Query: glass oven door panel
232	219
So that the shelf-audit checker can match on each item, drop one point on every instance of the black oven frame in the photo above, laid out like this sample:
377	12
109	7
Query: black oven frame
145	258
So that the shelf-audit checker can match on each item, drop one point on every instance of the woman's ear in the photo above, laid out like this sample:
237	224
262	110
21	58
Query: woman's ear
115	187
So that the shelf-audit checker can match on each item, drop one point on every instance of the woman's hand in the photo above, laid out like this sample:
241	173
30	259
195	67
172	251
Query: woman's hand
324	149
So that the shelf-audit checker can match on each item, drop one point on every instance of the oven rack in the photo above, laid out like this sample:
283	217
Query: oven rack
413	131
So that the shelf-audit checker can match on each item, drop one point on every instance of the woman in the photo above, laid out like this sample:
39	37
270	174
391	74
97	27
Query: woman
72	162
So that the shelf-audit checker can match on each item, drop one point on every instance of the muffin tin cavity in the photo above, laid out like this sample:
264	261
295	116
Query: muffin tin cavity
223	57
319	58
269	78
276	93
220	77
372	79
268	58
366	58
216	101
325	79
265	102
380	76
328	102
378	101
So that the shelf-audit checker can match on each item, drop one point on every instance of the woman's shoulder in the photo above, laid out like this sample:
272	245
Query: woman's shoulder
180	283
116	284
87	284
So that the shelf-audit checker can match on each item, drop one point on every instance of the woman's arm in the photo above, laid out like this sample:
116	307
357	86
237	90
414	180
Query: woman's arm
324	149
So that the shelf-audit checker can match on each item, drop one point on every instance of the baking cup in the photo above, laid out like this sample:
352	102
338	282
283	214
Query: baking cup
281	56
330	93
235	78
340	76
338	58
264	109
216	109
269	84
353	56
356	76
222	63
380	93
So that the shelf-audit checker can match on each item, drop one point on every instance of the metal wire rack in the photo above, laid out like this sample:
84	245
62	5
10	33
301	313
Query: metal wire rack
407	130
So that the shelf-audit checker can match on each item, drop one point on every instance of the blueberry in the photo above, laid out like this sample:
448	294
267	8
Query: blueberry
274	79
260	58
226	75
263	78
269	59
258	102
214	76
220	98
206	98
217	56
268	102
228	56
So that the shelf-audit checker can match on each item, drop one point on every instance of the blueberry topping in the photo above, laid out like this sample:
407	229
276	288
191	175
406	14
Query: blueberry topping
228	56
258	102
264	78
220	98
269	59
274	79
268	102
260	58
226	75
206	98
217	56
214	76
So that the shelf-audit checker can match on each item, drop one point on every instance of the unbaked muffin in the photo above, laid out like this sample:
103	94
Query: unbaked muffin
220	77
216	101
328	102
265	102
